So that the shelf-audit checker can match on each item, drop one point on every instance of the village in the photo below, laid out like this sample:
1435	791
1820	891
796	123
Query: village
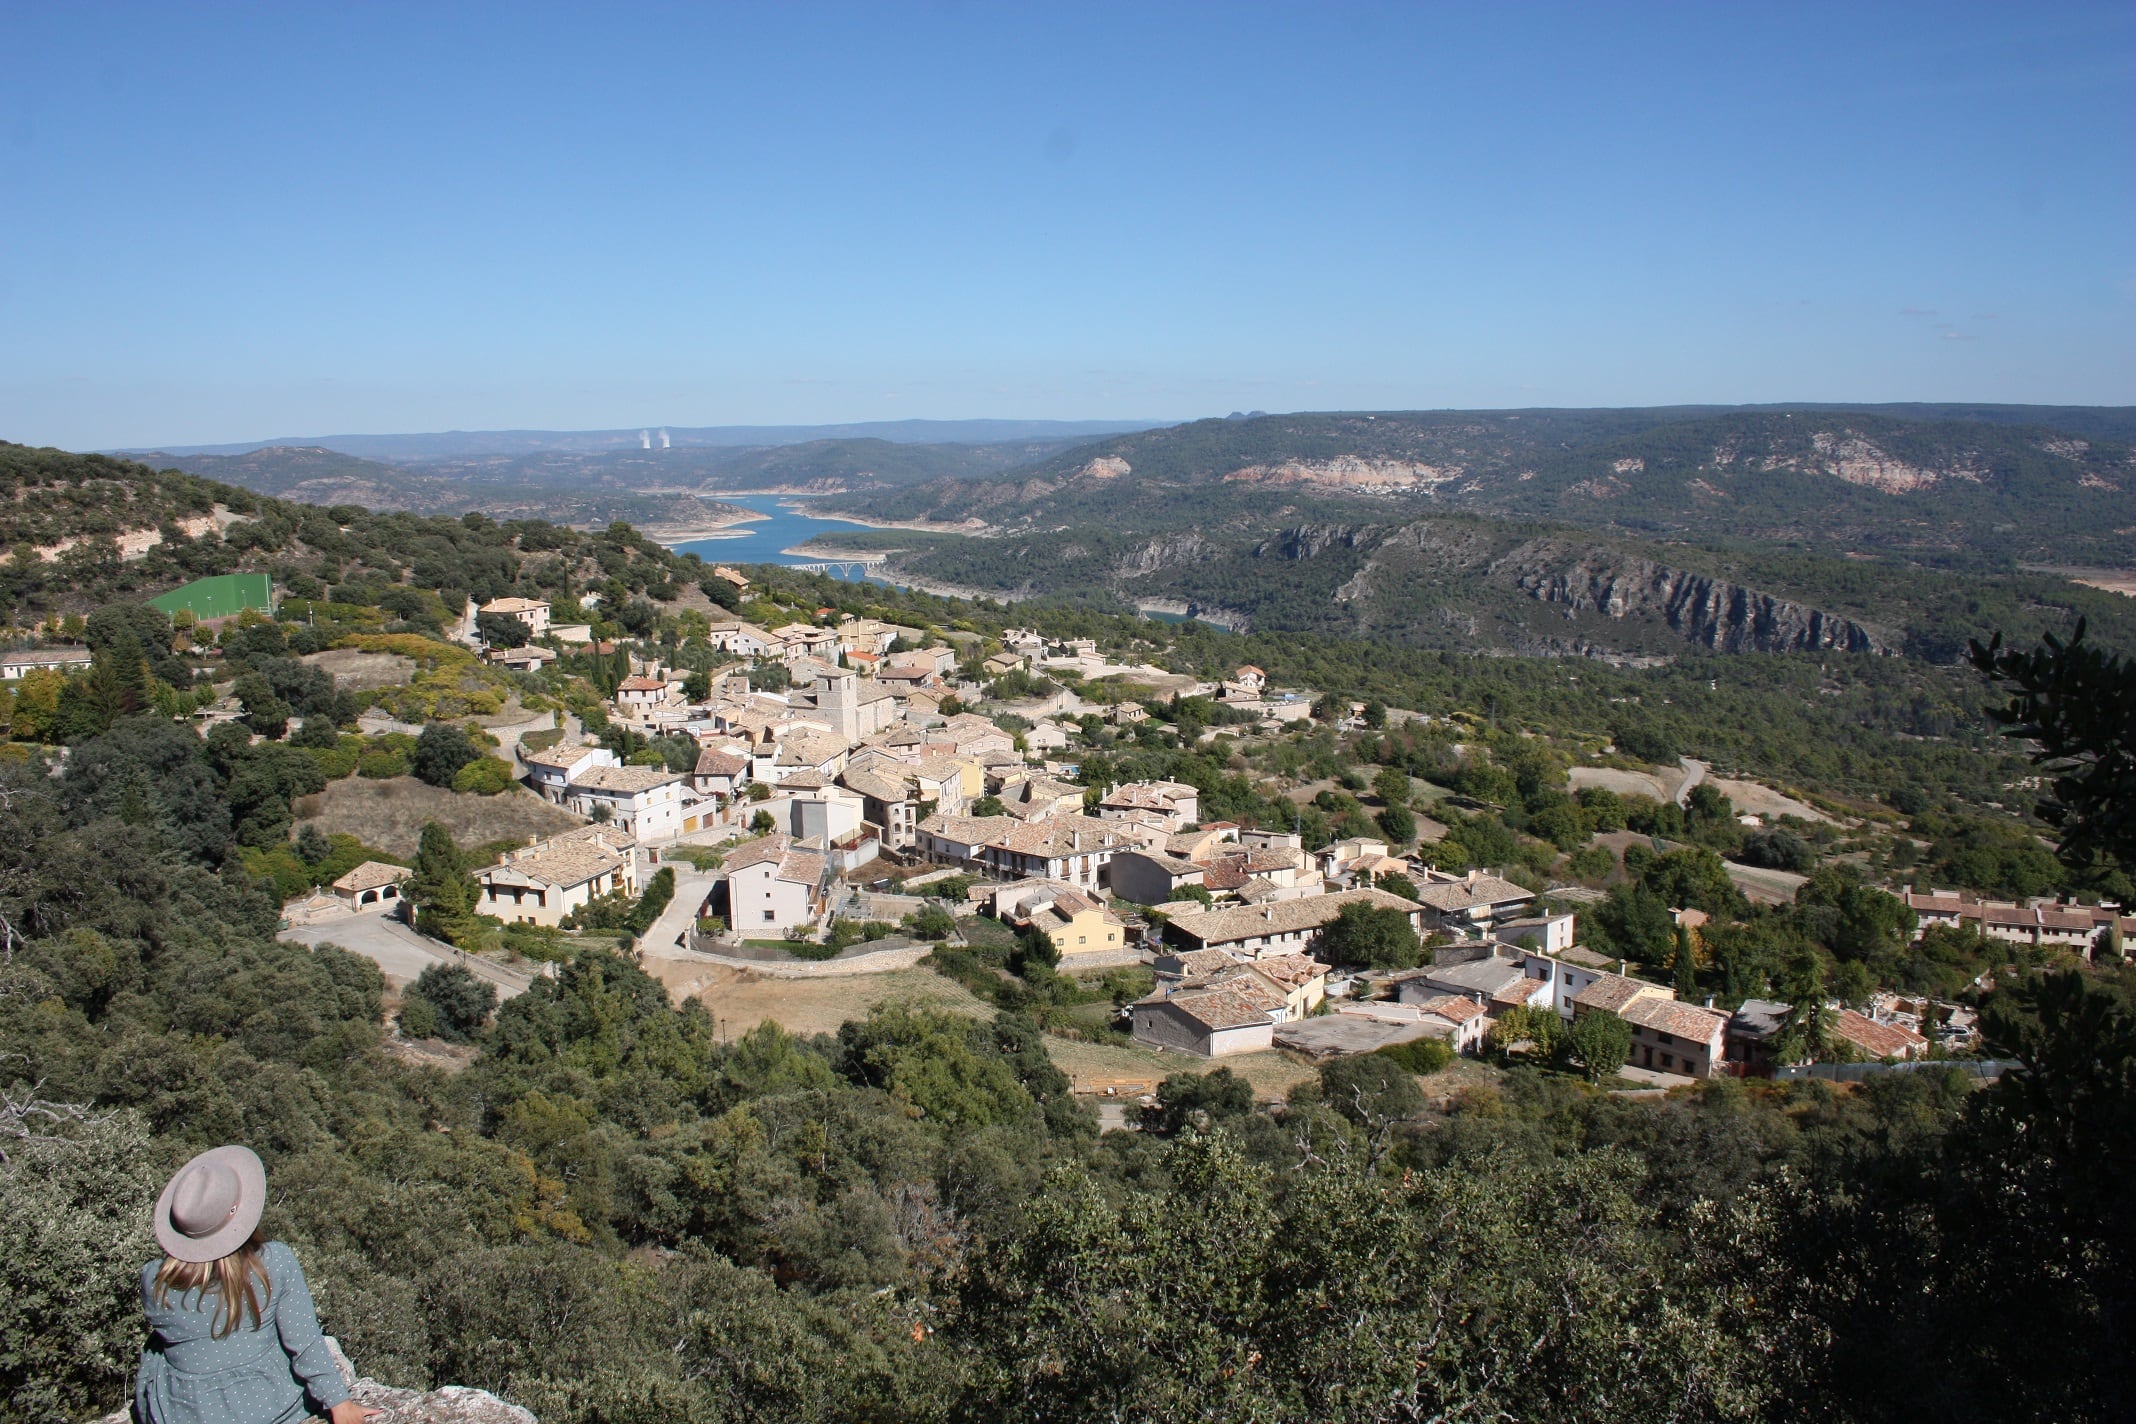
848	812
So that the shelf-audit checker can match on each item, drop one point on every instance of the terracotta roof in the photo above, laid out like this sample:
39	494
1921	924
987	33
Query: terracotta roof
1878	1040
1281	917
713	762
1465	895
371	875
1293	971
1197	962
1231	1005
1454	1008
754	852
556	862
562	756
1611	992
642	684
627	779
512	605
1679	1020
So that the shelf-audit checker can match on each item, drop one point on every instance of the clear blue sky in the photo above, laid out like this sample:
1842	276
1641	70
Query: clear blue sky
234	222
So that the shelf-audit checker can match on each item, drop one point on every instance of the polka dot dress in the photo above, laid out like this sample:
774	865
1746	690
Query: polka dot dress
260	1373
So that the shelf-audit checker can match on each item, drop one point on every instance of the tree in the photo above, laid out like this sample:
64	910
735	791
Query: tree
502	630
1601	1044
2078	704
1197	1099
1391	785
989	806
312	843
442	891
1398	824
1375	936
1370	1089
1686	966
461	1000
440	752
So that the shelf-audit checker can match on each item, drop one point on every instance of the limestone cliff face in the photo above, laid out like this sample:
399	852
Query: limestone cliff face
1724	616
1164	553
1309	541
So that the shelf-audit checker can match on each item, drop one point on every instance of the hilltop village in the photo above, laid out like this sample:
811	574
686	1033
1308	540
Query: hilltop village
807	796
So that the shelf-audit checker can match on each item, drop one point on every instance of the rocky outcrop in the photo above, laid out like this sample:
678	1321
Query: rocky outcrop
1309	541
1724	616
1163	553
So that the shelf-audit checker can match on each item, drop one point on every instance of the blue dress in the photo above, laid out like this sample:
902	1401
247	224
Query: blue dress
256	1374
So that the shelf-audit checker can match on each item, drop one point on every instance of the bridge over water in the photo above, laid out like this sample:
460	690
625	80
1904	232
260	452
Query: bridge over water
850	566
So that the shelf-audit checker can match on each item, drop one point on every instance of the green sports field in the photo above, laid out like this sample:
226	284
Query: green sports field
222	596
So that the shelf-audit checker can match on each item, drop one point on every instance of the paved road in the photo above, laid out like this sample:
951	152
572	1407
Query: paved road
691	887
1694	773
400	952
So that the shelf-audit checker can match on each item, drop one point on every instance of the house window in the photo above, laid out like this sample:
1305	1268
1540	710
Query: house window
1667	1061
1664	1038
770	915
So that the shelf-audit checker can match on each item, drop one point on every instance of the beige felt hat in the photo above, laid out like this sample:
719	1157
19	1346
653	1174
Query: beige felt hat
212	1205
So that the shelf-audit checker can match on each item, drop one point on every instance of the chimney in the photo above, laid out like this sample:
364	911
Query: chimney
1709	1001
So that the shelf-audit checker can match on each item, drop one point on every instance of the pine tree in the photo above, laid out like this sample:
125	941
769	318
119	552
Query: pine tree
441	889
1686	966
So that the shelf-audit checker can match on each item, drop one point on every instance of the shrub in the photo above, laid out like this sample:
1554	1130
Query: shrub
381	763
485	776
1420	1055
461	1001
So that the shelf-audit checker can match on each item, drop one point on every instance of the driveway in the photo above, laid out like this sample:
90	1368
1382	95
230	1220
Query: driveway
691	887
400	952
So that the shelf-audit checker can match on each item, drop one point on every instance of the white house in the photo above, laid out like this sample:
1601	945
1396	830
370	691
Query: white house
650	802
1276	927
772	887
533	612
552	770
1237	1016
550	879
371	885
15	665
1175	803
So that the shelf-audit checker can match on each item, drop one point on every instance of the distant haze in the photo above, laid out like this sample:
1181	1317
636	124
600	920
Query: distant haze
454	444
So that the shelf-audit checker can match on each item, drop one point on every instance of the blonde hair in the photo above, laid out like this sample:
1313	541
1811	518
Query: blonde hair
231	1278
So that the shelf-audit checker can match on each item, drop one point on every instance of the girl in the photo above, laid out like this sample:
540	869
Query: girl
232	1337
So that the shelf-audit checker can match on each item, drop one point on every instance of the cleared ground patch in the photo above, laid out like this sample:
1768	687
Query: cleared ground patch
740	1000
1752	799
390	813
1658	785
1094	1066
354	670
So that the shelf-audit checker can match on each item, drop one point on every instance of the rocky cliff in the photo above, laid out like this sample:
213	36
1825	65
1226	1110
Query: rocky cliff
1724	616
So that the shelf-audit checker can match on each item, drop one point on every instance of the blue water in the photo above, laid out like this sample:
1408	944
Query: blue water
764	541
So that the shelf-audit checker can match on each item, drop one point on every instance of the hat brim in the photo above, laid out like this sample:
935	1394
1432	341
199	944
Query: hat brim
251	1202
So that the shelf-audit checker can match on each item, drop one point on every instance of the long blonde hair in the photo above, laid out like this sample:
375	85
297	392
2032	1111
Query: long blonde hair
231	1278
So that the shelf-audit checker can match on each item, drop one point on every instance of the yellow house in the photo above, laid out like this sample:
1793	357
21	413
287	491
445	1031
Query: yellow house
1076	923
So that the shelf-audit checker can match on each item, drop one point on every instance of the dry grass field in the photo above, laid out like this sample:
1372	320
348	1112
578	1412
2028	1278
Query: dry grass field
354	670
390	813
741	1000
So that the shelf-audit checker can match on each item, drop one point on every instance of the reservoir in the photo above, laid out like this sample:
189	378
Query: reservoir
765	541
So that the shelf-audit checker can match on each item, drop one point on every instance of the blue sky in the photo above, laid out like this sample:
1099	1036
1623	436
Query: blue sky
235	222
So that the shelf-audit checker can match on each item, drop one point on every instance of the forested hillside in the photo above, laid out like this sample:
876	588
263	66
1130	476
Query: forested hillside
1761	531
603	1206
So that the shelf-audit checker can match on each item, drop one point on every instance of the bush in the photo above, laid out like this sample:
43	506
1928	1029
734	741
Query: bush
461	1001
658	891
440	753
381	763
485	776
74	1211
1420	1055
